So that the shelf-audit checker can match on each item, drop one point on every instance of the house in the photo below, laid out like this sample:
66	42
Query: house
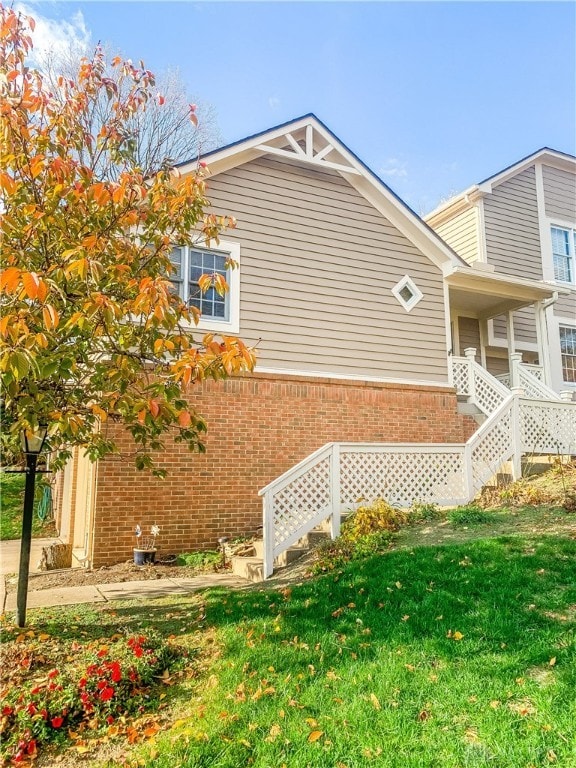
349	298
520	222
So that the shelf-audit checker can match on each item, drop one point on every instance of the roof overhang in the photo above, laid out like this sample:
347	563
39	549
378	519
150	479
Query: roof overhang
308	141
468	197
487	294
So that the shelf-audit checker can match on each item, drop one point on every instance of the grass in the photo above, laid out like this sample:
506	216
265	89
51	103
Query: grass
11	503
451	656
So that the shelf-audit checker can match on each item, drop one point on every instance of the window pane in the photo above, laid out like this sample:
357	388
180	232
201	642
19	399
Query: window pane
563	258
176	257
211	304
568	351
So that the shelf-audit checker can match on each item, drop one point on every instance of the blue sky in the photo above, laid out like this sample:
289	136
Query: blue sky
433	96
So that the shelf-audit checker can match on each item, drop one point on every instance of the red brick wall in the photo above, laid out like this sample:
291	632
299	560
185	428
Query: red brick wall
258	427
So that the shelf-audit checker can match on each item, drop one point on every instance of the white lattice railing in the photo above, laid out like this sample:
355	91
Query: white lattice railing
482	389
547	427
533	385
339	476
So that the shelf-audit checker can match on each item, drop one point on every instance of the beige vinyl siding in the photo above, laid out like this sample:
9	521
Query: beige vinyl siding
512	229
318	263
469	335
524	326
559	194
461	234
497	365
566	306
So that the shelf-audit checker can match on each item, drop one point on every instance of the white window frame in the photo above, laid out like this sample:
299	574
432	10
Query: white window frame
571	256
417	295
218	325
569	326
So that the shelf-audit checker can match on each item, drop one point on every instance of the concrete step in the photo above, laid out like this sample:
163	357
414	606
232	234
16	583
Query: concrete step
469	409
285	558
250	568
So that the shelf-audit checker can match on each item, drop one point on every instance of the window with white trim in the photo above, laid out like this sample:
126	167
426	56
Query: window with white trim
407	293
568	352
563	253
219	311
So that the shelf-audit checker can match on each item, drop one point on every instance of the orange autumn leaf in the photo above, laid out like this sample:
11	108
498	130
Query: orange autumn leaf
315	735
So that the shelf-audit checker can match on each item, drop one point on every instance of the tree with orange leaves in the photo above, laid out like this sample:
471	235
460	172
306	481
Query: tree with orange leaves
91	331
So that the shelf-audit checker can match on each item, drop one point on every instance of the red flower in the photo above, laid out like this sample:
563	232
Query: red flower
82	682
31	709
107	694
57	722
116	672
31	748
102	652
138	651
53	673
101	684
109	719
36	689
7	710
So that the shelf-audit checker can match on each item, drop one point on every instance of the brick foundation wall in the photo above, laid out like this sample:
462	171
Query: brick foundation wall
258	427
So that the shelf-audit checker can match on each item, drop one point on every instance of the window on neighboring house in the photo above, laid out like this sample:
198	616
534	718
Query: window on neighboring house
563	252
568	352
189	264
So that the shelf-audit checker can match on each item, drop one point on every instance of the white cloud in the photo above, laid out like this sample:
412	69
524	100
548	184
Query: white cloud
273	102
56	36
394	168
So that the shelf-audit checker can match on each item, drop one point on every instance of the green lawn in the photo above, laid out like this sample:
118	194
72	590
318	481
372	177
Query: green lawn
452	656
11	505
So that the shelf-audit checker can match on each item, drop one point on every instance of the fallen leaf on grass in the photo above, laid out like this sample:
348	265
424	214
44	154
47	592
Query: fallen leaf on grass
552	661
375	702
315	735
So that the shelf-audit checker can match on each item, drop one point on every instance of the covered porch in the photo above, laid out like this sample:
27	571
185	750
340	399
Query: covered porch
504	319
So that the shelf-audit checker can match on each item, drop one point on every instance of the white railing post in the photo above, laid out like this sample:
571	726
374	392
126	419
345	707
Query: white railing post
335	490
517	392
468	473
470	354
515	363
268	534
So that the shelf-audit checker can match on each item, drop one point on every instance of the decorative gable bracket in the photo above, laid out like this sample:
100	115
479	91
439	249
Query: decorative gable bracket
307	154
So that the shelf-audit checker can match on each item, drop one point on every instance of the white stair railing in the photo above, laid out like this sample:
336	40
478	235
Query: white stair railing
481	388
547	427
493	444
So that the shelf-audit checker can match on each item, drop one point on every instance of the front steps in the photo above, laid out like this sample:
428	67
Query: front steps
251	565
466	408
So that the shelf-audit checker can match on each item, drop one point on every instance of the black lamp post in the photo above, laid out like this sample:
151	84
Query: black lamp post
32	445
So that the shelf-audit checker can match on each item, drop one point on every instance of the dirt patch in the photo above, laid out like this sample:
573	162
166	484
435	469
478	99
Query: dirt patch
109	574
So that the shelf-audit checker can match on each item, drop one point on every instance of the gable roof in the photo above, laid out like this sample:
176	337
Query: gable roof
545	155
307	140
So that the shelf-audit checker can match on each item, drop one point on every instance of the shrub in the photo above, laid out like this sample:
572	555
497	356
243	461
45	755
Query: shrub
469	515
199	559
421	513
112	684
368	531
521	492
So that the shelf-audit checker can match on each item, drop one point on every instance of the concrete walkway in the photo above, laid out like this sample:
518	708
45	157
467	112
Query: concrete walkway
10	554
124	590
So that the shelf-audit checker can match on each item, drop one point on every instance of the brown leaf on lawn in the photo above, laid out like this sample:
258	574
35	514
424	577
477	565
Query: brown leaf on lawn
552	661
315	735
423	715
152	730
375	702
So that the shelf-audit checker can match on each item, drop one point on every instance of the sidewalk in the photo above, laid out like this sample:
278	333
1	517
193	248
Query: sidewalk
124	590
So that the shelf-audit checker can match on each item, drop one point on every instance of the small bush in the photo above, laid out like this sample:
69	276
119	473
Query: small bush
202	560
378	516
521	493
423	513
469	515
368	531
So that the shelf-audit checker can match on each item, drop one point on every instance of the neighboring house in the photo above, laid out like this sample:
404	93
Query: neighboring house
520	222
348	296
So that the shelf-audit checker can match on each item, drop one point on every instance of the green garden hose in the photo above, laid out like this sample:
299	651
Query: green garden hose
44	508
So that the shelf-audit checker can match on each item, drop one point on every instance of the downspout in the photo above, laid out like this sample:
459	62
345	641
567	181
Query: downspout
545	338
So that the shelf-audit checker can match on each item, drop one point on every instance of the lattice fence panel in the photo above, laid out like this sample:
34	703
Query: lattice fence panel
487	392
492	450
548	427
401	477
534	387
460	376
299	502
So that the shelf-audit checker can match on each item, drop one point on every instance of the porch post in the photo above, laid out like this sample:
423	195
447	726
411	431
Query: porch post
510	338
515	362
542	341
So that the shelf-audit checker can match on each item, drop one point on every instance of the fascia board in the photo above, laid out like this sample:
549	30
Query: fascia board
550	157
515	287
364	181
